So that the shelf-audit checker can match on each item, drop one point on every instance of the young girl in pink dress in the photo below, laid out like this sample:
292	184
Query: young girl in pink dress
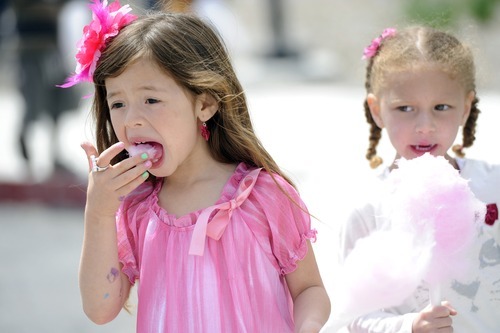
182	197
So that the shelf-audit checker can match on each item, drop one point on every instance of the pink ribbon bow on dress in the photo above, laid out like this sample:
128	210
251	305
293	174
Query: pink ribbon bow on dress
221	219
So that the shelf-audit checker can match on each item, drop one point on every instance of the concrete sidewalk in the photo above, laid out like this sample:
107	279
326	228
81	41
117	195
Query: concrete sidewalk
39	254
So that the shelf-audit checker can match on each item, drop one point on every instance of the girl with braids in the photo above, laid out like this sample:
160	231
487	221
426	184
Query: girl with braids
182	197
420	85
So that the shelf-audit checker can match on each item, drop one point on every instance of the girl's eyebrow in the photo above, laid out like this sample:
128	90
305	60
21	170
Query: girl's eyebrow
147	88
111	94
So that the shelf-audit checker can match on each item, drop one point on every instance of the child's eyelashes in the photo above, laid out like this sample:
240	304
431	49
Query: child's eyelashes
116	105
119	105
442	107
152	101
404	108
408	108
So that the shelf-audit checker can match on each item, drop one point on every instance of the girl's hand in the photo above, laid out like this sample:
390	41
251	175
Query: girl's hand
434	319
108	187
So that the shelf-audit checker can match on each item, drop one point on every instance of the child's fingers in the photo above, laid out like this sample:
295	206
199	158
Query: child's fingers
118	177
122	167
444	310
451	309
443	322
104	159
89	151
134	177
118	180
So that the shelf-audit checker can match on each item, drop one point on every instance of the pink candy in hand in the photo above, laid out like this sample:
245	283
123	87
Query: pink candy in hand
153	151
432	201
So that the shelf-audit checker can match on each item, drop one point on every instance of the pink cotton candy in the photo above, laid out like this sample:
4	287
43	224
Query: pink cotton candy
431	220
153	151
432	201
381	271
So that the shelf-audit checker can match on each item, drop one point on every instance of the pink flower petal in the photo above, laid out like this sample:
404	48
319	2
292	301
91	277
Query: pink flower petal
107	21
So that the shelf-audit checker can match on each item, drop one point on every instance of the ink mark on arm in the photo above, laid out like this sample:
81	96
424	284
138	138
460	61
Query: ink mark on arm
113	275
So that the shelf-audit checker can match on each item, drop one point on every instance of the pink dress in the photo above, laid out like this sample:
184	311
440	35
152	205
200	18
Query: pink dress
219	269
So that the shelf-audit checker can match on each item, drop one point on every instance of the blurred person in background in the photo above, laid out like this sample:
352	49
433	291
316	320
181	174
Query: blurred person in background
41	66
3	7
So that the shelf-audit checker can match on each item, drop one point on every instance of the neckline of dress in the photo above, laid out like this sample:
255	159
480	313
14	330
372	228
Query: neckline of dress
228	192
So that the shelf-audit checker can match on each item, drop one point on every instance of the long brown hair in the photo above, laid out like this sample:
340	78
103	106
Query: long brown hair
192	52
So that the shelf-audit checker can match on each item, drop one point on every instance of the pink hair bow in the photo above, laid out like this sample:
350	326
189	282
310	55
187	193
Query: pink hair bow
371	50
106	22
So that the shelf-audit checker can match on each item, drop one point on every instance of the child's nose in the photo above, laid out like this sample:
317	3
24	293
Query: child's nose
425	122
133	117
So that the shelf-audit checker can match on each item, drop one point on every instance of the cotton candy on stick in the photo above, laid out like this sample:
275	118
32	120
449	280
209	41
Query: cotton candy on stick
432	201
382	270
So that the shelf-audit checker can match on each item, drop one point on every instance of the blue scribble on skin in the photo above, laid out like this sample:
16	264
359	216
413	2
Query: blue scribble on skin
106	295
113	275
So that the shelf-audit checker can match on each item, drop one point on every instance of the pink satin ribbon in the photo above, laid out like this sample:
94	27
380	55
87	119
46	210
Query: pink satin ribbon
221	219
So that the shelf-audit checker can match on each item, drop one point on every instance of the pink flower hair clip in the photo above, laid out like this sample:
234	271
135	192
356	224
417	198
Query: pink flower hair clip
106	22
371	50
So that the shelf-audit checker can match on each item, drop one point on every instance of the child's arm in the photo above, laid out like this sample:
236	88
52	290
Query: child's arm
381	321
431	319
104	288
311	302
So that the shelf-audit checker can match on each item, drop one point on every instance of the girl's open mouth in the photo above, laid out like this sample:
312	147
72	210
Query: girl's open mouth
423	148
153	149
